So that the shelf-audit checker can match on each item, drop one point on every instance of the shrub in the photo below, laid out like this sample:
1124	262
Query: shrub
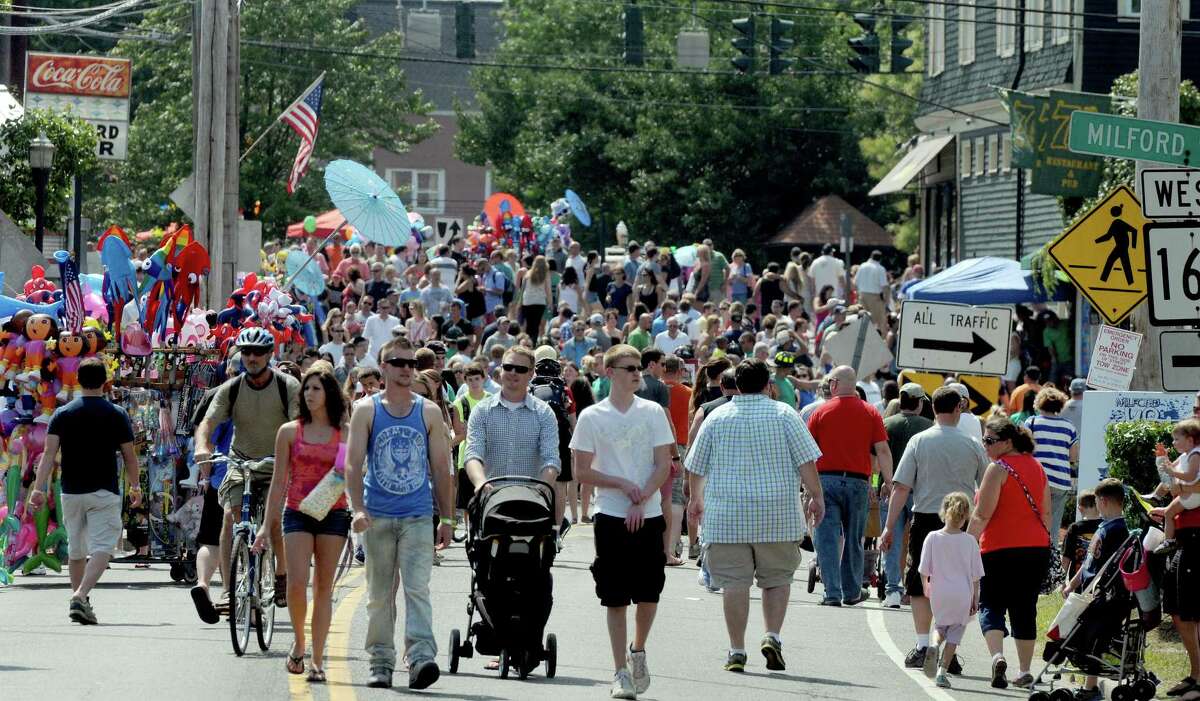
1130	450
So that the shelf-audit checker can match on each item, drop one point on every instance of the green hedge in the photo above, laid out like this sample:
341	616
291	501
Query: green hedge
1130	450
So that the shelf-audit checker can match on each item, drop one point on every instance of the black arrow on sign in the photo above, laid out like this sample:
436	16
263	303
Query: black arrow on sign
1185	361
977	346
454	229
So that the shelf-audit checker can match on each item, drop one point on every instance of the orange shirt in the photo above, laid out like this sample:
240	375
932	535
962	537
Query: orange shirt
1013	523
1017	398
681	399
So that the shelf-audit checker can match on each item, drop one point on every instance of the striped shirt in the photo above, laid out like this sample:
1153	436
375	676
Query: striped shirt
1053	437
749	451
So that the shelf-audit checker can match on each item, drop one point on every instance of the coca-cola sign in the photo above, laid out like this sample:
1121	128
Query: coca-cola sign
92	76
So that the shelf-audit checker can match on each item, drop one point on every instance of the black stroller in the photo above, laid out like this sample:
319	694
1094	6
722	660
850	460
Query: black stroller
1109	637
510	545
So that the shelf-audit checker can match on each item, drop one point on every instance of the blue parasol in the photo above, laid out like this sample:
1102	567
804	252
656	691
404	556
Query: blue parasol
686	256
306	279
578	208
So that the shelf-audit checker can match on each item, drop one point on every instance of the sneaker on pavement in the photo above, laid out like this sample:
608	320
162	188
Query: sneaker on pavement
735	662
1082	694
930	663
772	649
892	600
380	678
693	550
1025	681
955	666
831	602
423	674
81	612
999	669
622	686
915	659
942	681
863	595
638	669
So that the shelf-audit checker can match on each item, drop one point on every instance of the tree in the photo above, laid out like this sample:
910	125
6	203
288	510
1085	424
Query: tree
678	155
74	154
366	105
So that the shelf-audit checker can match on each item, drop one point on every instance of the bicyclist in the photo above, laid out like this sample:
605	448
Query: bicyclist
259	401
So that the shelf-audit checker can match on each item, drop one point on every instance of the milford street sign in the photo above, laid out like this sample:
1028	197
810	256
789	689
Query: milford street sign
1135	139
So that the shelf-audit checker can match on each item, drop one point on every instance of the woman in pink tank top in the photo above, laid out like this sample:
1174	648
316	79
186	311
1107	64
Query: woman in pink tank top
306	451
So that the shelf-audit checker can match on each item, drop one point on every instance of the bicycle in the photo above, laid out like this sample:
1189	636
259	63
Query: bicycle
252	596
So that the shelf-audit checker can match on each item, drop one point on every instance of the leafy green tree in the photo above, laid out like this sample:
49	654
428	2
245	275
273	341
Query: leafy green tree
678	155
74	154
366	105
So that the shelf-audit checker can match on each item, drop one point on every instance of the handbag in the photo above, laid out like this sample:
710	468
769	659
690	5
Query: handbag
1055	575
331	488
1136	573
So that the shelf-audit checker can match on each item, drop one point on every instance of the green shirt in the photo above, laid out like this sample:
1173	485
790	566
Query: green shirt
716	276
1058	339
900	428
640	339
600	388
464	417
787	391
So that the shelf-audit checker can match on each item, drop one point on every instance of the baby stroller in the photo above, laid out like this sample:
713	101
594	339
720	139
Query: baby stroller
510	545
874	578
1108	638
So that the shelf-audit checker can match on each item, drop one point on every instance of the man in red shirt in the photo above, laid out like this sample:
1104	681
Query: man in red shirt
847	430
681	398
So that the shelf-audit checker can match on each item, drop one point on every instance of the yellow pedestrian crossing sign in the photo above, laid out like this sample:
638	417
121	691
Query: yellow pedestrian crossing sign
1099	253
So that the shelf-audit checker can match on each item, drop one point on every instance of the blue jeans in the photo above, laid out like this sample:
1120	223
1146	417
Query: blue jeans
839	538
399	550
893	559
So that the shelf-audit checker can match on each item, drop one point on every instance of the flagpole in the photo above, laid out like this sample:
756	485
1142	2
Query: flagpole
289	108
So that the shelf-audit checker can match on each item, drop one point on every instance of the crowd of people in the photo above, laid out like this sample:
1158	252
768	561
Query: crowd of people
658	398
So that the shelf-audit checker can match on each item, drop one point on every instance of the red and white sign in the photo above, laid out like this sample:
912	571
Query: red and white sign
89	76
1113	359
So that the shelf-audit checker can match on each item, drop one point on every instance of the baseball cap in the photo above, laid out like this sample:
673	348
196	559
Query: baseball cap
596	319
913	390
1078	385
544	353
453	333
782	359
961	389
783	336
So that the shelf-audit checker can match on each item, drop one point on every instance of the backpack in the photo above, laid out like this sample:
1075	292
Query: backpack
236	387
552	391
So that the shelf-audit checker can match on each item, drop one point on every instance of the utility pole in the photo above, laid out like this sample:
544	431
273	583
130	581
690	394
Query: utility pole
1160	44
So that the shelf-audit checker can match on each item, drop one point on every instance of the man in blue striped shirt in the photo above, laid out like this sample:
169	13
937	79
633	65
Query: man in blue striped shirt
1056	447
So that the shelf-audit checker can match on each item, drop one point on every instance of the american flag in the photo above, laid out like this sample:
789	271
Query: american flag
72	294
304	116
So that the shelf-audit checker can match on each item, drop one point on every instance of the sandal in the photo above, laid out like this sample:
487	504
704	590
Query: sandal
1184	686
295	665
316	675
674	562
492	664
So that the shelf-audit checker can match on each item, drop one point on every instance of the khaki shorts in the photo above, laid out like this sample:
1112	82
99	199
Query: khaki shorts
736	565
93	523
230	491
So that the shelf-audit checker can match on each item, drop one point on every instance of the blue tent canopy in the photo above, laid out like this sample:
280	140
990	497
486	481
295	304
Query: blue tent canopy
986	281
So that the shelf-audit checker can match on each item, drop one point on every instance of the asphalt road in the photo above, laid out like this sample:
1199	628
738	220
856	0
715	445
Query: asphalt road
150	643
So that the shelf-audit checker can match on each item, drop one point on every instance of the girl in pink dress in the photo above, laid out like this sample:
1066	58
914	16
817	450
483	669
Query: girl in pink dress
951	567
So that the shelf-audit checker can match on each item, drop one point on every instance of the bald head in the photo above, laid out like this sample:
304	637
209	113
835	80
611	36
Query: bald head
842	381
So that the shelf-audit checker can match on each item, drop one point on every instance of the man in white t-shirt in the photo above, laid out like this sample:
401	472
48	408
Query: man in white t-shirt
575	260
446	265
828	270
871	282
672	339
622	446
968	423
378	329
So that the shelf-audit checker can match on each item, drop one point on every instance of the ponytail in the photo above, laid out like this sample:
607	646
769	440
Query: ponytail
1006	430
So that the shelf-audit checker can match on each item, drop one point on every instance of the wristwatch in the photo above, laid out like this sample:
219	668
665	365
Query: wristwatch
446	521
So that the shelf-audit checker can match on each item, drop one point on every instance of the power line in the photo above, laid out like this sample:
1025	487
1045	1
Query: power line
81	22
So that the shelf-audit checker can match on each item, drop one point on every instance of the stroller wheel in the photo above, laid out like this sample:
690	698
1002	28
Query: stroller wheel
1062	695
525	665
504	664
1121	692
455	640
812	577
1039	696
551	655
1144	689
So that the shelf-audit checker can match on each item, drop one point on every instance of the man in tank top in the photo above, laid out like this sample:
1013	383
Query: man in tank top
392	504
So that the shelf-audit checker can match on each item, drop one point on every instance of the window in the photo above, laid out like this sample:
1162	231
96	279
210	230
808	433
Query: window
993	153
1006	28
964	157
1061	21
980	143
966	32
1005	153
937	38
1132	9
423	191
1034	24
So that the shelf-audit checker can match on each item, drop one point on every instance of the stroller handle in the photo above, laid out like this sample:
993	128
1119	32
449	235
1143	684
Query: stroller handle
515	479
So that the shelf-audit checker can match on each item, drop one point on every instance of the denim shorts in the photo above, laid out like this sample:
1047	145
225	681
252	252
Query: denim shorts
336	522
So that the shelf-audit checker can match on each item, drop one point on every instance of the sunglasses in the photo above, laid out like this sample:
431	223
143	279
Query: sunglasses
518	369
991	440
627	368
402	362
255	352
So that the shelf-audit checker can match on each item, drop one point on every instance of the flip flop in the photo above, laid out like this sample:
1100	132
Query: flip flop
204	606
316	676
295	665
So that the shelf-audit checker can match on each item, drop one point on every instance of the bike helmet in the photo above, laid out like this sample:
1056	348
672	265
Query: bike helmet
255	337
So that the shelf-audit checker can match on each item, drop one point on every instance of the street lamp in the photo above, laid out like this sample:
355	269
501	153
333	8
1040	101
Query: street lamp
41	156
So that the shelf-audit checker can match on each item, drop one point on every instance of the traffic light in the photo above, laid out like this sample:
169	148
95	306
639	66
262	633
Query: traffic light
900	62
464	30
781	43
744	44
866	46
634	36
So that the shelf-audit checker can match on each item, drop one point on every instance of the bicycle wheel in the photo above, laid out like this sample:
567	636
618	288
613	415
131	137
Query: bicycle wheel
264	611
241	599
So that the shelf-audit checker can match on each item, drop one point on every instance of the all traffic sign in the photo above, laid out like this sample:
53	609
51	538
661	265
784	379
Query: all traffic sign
1136	139
1173	259
1170	193
1179	352
954	337
1096	254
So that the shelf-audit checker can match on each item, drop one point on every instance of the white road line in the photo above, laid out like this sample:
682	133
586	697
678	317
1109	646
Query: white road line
884	639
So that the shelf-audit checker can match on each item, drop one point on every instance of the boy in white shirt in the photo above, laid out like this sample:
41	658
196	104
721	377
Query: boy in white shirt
623	445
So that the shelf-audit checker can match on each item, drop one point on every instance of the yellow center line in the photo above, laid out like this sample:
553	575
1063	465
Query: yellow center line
337	645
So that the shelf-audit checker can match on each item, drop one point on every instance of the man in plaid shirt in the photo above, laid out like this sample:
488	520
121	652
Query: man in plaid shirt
745	469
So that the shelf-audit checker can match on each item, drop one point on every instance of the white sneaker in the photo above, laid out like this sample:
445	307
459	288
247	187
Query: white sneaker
636	662
622	686
892	600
